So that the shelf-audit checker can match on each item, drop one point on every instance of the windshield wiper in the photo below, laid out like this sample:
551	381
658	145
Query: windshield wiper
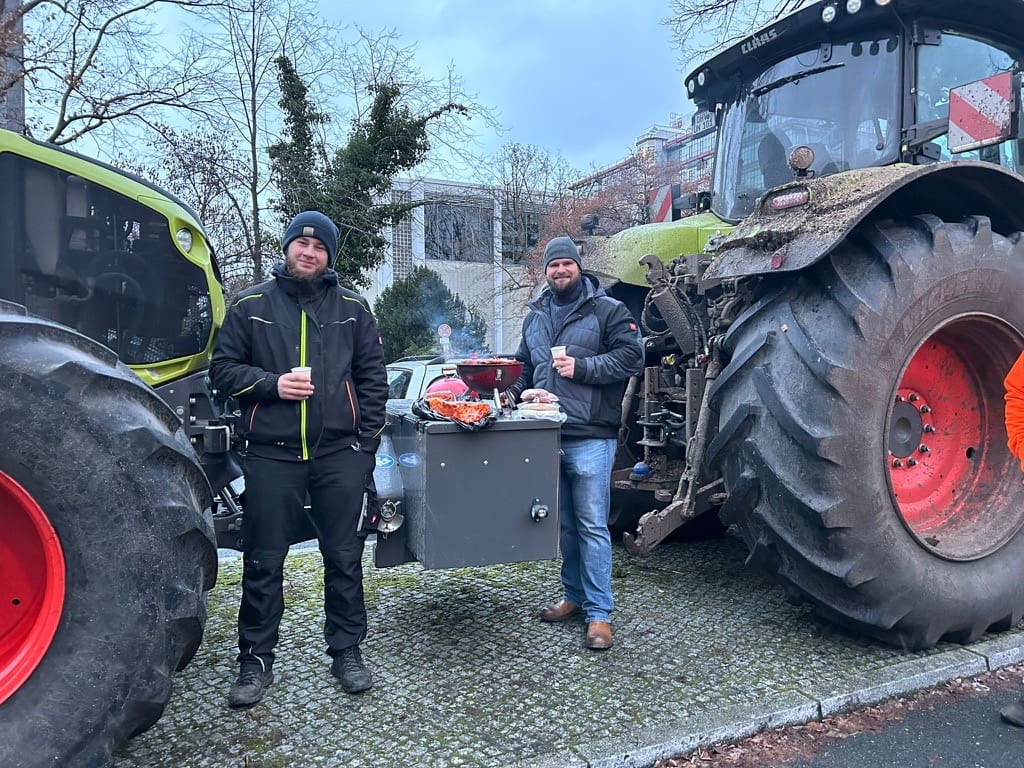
762	90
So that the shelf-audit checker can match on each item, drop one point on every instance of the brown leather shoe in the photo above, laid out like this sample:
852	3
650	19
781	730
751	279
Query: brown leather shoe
560	611
599	635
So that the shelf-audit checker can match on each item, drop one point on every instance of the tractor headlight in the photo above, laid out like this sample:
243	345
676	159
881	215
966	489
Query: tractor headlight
852	6
184	238
828	14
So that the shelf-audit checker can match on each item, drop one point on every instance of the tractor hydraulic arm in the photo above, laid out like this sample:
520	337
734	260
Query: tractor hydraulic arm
657	524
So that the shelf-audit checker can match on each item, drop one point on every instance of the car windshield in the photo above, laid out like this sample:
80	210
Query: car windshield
840	100
398	382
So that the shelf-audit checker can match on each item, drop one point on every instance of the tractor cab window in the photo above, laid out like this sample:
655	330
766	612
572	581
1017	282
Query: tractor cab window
842	100
102	263
956	61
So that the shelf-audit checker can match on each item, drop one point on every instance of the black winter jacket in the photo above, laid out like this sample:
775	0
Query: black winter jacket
604	339
283	323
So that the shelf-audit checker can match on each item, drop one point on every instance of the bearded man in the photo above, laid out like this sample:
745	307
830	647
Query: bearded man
581	345
303	358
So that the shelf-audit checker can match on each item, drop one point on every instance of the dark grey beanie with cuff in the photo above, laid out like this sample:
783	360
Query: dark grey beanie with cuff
562	248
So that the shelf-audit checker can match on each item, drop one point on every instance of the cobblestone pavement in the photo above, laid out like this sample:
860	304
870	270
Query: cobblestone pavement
465	675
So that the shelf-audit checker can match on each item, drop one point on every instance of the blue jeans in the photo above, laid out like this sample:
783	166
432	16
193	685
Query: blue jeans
584	497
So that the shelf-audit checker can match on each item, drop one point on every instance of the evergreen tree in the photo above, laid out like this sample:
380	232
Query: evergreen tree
294	167
409	311
351	184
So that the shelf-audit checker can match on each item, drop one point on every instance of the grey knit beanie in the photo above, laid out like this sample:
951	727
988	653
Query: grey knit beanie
562	248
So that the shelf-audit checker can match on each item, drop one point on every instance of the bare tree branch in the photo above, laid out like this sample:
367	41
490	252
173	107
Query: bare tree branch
88	64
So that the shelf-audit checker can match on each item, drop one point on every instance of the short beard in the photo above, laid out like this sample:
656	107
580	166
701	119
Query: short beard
288	263
569	288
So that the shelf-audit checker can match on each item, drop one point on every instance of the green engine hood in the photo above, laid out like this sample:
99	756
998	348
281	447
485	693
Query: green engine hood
617	256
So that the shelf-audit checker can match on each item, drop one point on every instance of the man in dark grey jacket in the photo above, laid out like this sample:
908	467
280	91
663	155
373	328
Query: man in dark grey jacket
602	349
303	357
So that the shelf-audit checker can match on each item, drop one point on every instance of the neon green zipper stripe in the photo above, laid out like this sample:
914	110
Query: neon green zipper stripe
302	404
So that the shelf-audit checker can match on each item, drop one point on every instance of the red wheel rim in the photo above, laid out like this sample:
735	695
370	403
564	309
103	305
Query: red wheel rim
952	478
31	585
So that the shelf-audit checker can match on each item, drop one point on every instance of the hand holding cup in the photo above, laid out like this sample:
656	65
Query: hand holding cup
296	384
562	363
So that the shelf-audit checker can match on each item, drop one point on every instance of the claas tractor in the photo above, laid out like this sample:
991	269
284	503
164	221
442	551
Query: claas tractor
827	335
114	458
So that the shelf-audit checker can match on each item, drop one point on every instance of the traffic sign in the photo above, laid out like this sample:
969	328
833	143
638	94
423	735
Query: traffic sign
444	331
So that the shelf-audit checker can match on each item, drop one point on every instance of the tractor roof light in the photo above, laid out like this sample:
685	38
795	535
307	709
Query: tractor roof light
690	86
828	14
882	2
702	78
852	6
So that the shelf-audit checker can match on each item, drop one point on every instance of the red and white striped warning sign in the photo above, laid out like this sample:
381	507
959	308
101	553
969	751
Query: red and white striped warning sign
661	204
981	113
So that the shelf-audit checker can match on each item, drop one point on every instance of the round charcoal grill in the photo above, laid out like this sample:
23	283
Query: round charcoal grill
489	377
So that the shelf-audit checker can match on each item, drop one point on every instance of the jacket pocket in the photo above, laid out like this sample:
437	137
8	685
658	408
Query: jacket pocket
353	404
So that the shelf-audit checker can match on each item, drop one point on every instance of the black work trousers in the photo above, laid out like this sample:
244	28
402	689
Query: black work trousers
275	494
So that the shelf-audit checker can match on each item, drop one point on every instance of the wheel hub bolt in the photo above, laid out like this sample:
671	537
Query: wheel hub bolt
899	398
913	398
926	409
897	463
923	448
911	462
929	428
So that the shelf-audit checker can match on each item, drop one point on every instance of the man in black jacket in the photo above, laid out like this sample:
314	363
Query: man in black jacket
303	357
598	348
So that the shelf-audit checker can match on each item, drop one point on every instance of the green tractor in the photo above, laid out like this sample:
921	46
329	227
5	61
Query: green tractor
827	336
109	302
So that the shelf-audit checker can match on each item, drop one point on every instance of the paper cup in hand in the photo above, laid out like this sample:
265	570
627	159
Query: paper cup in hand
303	371
558	351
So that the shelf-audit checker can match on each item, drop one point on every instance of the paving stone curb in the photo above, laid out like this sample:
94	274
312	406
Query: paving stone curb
792	708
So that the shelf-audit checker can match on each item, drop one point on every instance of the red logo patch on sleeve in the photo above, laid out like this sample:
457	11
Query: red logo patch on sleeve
632	326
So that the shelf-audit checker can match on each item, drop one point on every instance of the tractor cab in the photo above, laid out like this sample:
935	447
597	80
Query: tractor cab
859	84
109	255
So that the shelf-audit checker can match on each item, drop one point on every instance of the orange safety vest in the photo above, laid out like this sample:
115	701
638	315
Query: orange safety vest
1014	383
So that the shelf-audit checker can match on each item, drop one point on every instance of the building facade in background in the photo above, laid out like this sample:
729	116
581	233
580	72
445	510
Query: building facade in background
477	241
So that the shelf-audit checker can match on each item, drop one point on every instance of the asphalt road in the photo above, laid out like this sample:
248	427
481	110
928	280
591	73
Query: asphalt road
964	734
960	734
952	725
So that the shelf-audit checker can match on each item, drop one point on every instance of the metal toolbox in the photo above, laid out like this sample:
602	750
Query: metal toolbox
478	498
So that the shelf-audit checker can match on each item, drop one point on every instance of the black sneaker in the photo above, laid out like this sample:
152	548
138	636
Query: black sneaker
249	687
348	667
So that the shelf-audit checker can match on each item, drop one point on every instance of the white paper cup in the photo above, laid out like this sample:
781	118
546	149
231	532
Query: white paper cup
303	370
558	351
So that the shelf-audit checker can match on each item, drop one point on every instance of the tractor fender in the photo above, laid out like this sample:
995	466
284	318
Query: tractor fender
795	238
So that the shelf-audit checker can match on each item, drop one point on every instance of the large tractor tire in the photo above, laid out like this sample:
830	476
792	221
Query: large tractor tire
861	431
107	548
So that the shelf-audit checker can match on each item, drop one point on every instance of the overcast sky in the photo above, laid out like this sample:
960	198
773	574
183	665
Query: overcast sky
582	79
